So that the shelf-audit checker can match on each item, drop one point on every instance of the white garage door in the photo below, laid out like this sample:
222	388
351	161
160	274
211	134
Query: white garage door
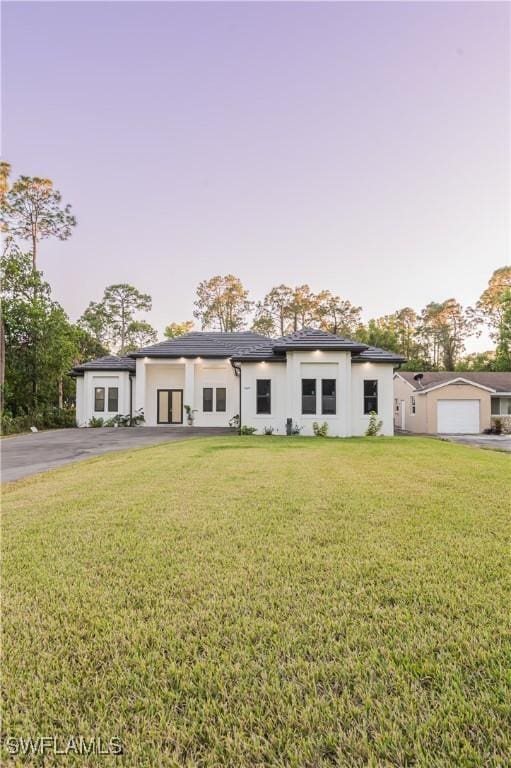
458	416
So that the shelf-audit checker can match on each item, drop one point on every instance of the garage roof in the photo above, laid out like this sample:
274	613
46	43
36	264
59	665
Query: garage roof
499	381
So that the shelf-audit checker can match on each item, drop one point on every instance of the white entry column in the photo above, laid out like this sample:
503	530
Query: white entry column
140	385
189	388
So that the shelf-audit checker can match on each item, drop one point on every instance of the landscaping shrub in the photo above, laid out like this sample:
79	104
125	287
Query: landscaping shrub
244	430
96	422
268	430
46	418
374	426
320	430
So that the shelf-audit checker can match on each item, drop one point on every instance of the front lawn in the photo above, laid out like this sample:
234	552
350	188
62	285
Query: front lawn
262	601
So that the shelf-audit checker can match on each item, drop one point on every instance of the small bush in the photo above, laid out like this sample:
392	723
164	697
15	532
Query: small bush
296	429
244	430
497	425
96	422
374	425
320	430
268	430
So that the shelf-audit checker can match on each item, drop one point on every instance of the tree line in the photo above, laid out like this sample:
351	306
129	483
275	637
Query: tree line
39	344
432	338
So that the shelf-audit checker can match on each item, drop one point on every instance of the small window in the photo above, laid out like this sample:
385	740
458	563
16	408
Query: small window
370	395
396	405
412	404
220	399
263	404
328	397
113	399
309	396
207	399
99	398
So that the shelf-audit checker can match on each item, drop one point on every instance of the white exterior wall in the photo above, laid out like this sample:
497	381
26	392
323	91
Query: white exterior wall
286	393
85	386
276	372
383	373
213	373
192	375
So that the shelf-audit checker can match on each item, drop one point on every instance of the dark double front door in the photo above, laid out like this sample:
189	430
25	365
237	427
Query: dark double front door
170	406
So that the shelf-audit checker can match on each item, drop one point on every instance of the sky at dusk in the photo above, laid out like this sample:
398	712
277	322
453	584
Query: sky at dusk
362	148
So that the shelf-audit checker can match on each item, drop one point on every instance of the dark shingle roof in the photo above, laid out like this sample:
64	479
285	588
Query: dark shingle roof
202	344
377	355
313	338
107	363
242	347
500	382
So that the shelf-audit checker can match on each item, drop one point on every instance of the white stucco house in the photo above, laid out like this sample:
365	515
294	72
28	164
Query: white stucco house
296	380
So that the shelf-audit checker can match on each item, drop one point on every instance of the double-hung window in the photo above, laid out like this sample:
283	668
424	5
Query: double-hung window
328	397
309	396
370	395
221	399
412	403
207	399
99	398
113	399
263	396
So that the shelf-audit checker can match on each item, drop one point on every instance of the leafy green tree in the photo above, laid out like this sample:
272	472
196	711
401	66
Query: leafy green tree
139	333
491	304
503	354
39	339
273	313
303	308
445	328
111	321
32	210
173	330
222	304
337	315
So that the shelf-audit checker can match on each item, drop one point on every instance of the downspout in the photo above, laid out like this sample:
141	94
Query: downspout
237	372
131	399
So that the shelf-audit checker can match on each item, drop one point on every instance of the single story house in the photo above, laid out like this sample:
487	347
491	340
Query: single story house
447	402
307	376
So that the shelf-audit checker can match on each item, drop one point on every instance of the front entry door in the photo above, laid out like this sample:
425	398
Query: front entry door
170	406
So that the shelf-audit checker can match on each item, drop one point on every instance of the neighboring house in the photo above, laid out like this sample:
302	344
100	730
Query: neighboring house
307	376
451	403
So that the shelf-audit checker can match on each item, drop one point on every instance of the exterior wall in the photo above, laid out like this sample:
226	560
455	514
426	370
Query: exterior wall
81	416
85	386
212	373
413	422
457	392
286	398
276	372
383	373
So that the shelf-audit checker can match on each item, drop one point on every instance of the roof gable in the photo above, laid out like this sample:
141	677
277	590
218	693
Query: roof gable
498	381
314	338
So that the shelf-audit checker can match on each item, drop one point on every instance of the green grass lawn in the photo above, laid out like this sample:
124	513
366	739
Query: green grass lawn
264	601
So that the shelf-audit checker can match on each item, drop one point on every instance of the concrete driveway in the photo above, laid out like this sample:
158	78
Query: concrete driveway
25	455
496	442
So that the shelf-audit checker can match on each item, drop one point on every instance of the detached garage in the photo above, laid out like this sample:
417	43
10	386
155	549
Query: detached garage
450	403
458	417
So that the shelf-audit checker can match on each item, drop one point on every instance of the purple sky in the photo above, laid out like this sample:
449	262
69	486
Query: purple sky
358	147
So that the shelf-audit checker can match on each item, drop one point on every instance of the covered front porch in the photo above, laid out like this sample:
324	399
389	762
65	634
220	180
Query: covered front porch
165	387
